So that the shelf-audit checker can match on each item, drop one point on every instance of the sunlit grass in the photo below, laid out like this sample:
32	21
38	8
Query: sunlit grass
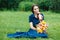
12	21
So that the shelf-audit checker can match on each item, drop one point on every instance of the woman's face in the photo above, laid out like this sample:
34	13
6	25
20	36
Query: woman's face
36	9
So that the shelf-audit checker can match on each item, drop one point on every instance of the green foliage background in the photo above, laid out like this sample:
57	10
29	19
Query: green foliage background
25	5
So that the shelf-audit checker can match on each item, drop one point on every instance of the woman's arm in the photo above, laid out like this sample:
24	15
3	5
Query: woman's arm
31	25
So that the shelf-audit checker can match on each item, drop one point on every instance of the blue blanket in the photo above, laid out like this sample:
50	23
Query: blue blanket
30	34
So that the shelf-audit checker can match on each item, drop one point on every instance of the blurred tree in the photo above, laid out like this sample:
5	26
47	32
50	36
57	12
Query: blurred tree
43	4
55	5
25	6
13	4
9	4
3	4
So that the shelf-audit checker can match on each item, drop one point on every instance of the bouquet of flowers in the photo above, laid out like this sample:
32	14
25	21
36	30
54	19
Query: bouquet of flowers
41	27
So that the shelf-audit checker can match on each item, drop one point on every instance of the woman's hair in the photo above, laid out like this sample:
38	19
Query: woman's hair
33	7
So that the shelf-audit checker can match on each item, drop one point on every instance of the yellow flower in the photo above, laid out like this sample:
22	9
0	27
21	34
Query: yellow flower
39	30
42	26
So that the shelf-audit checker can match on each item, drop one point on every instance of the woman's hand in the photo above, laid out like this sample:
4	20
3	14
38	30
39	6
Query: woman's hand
39	16
39	25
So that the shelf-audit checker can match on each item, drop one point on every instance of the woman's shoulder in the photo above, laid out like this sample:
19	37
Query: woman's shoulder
31	15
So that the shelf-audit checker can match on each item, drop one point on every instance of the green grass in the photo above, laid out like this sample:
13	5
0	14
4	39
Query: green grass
12	21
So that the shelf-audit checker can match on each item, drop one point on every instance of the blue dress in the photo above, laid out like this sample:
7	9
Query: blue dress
31	33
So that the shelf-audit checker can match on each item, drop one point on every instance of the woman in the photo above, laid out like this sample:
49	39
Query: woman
34	19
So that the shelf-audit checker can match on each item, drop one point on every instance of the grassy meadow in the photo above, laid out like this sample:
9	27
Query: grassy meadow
12	21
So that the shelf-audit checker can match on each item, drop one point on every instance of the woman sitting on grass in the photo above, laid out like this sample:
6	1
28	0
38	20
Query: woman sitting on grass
34	19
